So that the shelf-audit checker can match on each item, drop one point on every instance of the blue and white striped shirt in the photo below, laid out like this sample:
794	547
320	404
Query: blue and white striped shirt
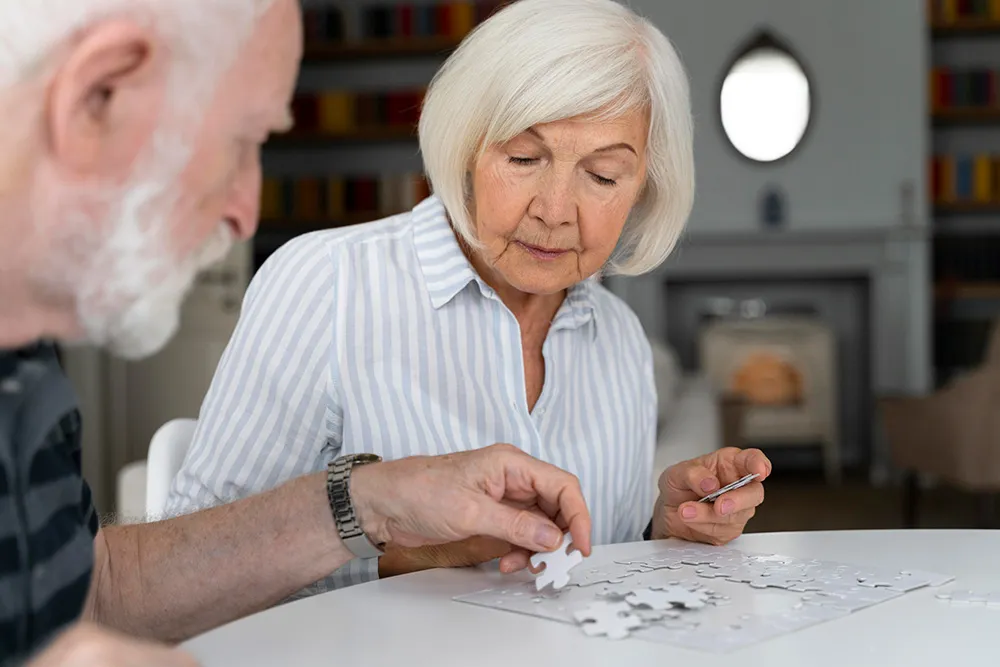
382	338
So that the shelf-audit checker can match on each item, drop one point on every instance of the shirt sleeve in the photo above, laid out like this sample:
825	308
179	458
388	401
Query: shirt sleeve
271	412
636	508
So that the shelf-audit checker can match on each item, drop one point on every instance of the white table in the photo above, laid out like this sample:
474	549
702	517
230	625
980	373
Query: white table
412	620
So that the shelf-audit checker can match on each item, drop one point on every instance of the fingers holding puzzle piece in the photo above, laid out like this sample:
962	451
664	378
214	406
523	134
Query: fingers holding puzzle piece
729	487
557	563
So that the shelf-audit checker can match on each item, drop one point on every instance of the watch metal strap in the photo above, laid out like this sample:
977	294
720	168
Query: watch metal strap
338	490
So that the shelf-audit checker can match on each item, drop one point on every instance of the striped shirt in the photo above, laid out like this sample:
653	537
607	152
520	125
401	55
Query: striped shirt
47	520
381	338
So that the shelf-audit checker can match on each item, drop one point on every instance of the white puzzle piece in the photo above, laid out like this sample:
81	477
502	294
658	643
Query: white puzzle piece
743	481
682	596
557	563
613	620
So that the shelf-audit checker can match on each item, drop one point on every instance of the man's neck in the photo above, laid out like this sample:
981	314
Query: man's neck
27	315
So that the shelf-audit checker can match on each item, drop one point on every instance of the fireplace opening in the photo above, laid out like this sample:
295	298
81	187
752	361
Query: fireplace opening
795	351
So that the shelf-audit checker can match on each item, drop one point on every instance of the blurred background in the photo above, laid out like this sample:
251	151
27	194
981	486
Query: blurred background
833	299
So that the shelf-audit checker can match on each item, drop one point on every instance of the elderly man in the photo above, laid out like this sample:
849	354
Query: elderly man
130	161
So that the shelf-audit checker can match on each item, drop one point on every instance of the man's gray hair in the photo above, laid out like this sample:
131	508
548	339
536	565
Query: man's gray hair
205	31
539	61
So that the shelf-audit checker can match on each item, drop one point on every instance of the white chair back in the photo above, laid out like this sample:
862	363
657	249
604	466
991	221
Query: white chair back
166	455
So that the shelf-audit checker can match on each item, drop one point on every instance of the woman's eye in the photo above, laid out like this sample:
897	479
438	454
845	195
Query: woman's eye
604	181
521	160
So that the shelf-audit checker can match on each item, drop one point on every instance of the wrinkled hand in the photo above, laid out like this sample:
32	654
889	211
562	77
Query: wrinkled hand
678	514
86	645
496	492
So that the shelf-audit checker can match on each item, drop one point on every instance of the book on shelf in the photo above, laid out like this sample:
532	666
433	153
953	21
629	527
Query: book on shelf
400	21
341	112
947	12
972	88
340	198
965	179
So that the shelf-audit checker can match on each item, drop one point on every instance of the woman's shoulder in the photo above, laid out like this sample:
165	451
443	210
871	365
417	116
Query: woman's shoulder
327	244
619	315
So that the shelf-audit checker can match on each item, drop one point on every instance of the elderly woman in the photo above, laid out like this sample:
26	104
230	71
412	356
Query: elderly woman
558	143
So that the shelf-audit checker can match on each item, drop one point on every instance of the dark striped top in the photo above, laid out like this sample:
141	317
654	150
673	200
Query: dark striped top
47	519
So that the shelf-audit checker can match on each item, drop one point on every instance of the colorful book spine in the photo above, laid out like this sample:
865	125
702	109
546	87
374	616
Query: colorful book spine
956	11
340	112
340	199
444	19
965	179
974	88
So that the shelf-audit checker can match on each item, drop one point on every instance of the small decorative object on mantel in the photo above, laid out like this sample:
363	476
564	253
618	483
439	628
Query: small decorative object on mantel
773	209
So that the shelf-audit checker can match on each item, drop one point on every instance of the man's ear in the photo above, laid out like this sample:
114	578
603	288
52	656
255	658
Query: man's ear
106	97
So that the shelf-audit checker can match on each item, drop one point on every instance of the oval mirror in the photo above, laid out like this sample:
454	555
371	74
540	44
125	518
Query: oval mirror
766	101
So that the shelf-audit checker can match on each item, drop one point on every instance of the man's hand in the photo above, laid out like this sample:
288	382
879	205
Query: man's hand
678	514
87	645
497	492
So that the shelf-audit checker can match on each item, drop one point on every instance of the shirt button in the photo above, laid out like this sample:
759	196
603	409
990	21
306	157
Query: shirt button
10	386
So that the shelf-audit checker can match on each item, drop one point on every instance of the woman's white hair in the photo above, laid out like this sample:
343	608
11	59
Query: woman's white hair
539	61
207	32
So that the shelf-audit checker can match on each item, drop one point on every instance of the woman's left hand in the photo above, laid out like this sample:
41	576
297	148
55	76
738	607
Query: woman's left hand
678	512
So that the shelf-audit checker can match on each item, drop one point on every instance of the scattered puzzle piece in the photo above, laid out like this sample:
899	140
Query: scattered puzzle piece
558	563
610	619
684	597
646	597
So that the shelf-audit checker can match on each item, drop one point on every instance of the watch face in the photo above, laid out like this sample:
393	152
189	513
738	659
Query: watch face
366	458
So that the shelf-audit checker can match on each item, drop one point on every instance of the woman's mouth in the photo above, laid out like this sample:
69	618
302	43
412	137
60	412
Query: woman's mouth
542	253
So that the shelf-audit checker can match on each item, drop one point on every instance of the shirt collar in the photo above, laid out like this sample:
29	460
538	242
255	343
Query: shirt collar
447	271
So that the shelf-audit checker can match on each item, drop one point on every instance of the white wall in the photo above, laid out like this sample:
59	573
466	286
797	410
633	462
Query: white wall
868	63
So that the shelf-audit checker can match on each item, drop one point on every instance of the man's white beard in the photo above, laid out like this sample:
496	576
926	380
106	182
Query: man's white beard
149	288
128	284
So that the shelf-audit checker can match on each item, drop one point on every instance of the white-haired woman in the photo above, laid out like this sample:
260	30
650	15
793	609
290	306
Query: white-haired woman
558	142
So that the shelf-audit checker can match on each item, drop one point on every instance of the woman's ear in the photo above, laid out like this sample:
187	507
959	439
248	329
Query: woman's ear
105	99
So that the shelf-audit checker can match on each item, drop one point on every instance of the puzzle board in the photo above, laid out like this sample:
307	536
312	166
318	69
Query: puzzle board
748	597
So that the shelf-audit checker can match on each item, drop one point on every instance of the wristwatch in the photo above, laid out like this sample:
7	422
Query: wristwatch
338	491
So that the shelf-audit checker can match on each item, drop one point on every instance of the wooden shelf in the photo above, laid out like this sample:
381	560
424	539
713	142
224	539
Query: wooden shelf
380	48
967	208
306	138
982	290
966	116
966	28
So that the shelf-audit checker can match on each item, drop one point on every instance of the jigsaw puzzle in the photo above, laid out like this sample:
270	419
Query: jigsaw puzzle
715	599
557	563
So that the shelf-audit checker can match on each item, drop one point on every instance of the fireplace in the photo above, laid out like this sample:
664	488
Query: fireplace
784	368
870	287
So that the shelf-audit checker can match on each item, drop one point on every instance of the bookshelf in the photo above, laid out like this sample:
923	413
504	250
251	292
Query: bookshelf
964	185
379	49
341	111
968	208
965	27
967	116
315	138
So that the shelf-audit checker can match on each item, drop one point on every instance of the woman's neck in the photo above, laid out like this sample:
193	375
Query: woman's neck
530	309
